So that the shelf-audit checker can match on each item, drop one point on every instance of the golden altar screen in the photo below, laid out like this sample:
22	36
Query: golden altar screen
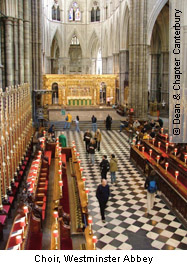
79	90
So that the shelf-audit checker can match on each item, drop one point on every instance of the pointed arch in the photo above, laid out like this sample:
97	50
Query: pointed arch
74	32
153	17
124	41
93	45
58	38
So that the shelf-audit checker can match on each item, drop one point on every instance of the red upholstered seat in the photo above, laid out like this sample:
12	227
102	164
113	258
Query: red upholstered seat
3	219
48	154
11	199
6	208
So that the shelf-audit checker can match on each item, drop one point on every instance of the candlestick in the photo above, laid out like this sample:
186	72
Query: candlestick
94	240
167	145
143	149
138	145
158	158
162	130
153	140
23	227
26	210
90	224
87	191
55	215
55	234
176	176
150	152
175	151
185	158
166	165
159	143
84	179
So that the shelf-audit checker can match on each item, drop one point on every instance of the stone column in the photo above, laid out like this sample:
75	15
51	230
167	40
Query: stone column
104	65
93	66
116	63
1	66
16	61
21	42
165	77
123	73
154	77
40	51
9	70
110	65
138	55
26	41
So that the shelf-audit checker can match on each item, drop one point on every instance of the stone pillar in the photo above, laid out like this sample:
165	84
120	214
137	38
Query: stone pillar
1	66
138	55
93	66
16	61
40	51
104	65
110	65
116	63
154	78
21	42
123	73
26	41
165	77
9	71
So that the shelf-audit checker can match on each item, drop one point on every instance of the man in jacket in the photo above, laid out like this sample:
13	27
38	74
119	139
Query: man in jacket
113	168
91	151
104	167
94	124
102	194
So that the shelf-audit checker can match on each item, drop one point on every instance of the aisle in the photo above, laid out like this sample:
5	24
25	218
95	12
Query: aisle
127	224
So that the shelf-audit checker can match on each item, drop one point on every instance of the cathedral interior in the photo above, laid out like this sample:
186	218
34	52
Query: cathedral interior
62	64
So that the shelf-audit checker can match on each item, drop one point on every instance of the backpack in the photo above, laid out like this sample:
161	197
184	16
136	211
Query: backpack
152	188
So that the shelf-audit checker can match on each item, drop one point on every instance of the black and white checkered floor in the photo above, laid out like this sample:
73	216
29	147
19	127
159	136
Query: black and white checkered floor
127	224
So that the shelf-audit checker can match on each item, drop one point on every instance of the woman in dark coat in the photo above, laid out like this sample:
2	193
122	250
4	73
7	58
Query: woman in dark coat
108	122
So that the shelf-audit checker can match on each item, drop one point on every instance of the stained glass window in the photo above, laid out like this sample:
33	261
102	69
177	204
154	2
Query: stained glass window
74	12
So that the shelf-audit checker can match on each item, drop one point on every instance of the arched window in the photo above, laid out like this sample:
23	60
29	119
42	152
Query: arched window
95	12
93	15
74	12
56	11
98	14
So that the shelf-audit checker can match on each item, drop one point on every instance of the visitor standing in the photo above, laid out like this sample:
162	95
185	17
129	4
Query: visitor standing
91	151
151	185
77	124
94	124
104	167
98	139
62	140
87	138
113	168
108	122
102	194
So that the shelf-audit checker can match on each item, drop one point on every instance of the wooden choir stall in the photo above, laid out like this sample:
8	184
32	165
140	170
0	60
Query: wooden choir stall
15	145
170	163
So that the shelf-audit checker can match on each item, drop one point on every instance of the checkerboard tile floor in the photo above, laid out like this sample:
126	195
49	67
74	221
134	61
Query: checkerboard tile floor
127	226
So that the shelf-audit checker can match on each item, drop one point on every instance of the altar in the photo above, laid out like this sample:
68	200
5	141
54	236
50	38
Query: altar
79	90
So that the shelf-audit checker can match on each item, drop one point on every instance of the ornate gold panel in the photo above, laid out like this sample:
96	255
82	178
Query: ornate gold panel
82	89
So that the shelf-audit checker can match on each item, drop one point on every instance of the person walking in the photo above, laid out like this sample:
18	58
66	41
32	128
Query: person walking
68	121
94	124
91	151
98	139
113	168
108	122
62	140
151	184
87	138
104	167
102	194
77	124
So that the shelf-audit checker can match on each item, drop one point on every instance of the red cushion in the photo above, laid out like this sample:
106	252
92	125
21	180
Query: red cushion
2	219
